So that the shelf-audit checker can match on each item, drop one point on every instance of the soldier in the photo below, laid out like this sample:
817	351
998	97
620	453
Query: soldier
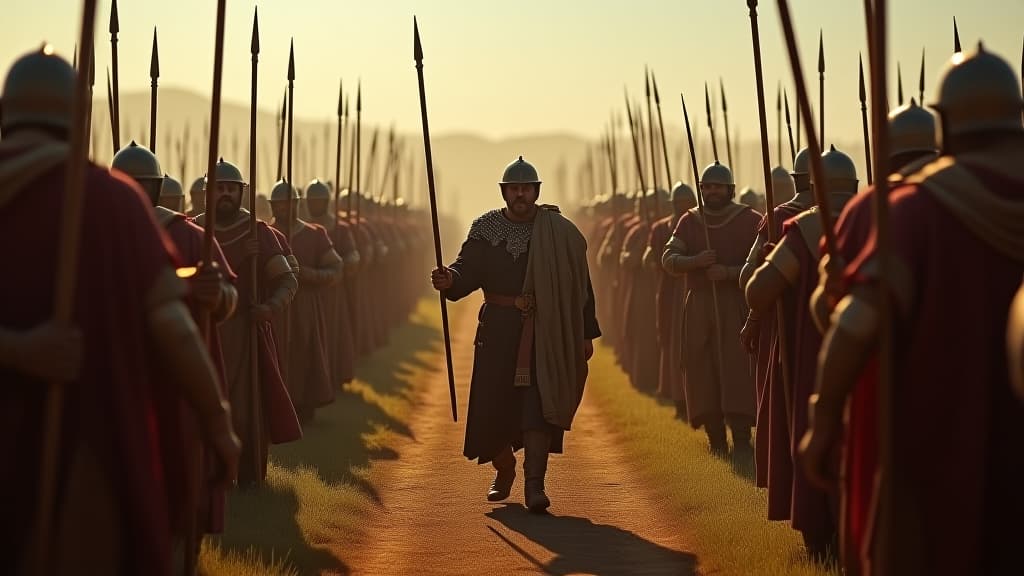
955	422
171	195
263	411
339	327
670	292
722	393
319	266
140	351
789	274
640	357
196	197
749	197
529	368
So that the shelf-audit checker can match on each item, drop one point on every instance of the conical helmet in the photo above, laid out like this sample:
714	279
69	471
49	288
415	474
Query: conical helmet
198	186
39	90
751	198
717	173
979	92
317	190
520	172
783	187
683	191
802	163
137	162
282	190
911	129
840	171
228	173
171	188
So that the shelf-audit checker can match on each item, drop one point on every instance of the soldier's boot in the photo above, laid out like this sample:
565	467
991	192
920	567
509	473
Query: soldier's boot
505	464
741	444
535	464
716	438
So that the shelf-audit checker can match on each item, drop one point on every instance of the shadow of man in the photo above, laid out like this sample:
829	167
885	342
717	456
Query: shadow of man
582	547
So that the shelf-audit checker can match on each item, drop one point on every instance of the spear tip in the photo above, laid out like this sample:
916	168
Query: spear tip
359	96
647	82
254	47
417	46
341	98
956	38
899	84
863	89
654	83
115	25
154	61
291	60
721	88
821	51
785	98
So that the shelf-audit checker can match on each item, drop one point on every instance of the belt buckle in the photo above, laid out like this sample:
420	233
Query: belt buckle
525	303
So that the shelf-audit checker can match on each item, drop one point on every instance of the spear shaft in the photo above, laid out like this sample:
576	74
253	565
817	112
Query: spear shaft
359	152
661	129
64	298
114	29
254	358
337	158
789	127
864	121
291	126
821	86
280	141
639	165
650	140
113	116
711	124
725	118
418	56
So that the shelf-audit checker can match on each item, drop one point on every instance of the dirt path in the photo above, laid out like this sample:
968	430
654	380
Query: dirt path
435	519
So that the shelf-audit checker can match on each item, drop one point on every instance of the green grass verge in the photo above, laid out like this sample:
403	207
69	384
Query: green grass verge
319	491
719	509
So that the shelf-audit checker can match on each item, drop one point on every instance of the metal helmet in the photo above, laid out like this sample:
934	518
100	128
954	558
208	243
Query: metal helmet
681	191
911	129
138	162
840	171
783	186
39	90
979	92
228	173
751	198
282	190
802	163
717	173
171	188
317	190
520	172
198	186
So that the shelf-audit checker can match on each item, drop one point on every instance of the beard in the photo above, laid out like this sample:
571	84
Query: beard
227	209
717	202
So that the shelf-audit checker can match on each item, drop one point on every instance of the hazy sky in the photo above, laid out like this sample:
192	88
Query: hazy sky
514	68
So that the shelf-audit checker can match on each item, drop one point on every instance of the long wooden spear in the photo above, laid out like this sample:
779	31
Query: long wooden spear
291	126
821	86
899	84
711	124
211	164
113	116
418	56
707	242
789	127
359	151
639	165
778	123
351	163
725	118
661	129
956	38
337	157
864	120
154	76
920	80
115	27
254	358
64	299
281	125
654	163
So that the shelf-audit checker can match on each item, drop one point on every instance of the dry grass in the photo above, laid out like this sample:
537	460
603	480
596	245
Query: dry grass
319	491
717	504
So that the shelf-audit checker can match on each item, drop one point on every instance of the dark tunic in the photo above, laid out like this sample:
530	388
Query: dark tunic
493	258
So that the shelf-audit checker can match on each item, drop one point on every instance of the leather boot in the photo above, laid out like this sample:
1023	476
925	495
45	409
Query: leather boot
535	464
716	438
505	464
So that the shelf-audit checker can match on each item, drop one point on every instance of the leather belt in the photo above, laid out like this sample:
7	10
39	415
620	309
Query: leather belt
525	304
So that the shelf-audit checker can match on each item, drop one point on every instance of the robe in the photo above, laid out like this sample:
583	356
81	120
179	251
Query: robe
341	346
641	356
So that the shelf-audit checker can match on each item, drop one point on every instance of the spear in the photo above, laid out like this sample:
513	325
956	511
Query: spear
864	120
254	50
707	239
636	155
778	122
113	116
711	125
650	140
813	148
351	163
337	156
661	129
371	163
418	56
956	38
211	165
154	75
359	152
64	297
920	83
799	133
789	127
281	126
725	117
899	84
114	29
291	126
821	86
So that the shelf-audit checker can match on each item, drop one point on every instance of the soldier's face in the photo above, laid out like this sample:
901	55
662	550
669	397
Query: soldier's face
316	206
716	196
521	199
229	198
280	210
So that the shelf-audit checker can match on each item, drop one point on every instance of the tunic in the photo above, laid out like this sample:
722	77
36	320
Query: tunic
340	343
641	356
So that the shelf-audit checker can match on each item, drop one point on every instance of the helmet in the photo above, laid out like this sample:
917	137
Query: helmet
802	163
228	172
520	172
840	171
979	92
39	89
717	174
197	186
751	198
171	188
137	162
681	191
317	190
783	187
282	190
911	129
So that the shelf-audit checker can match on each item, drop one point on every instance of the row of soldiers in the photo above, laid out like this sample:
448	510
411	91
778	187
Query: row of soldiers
765	334
180	370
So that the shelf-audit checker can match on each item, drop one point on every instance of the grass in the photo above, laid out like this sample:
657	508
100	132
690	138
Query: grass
319	491
723	513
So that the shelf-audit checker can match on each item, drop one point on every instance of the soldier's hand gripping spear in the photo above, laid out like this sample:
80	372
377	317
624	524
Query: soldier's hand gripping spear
418	56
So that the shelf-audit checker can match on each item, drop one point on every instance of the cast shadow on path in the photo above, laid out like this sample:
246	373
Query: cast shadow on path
582	547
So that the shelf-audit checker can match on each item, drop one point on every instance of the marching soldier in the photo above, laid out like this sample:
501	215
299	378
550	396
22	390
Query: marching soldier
196	197
718	391
640	358
171	195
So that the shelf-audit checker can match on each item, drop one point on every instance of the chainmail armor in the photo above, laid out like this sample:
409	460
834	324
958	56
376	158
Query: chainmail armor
493	227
